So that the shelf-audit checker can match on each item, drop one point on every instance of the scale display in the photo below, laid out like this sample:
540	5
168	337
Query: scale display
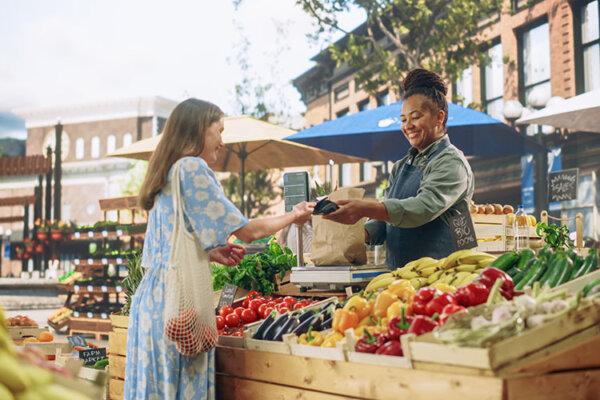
295	189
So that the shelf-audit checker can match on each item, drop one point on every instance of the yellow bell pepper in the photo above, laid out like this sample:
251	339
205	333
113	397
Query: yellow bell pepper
402	288
360	331
443	287
382	302
332	339
369	320
395	309
344	319
359	305
311	338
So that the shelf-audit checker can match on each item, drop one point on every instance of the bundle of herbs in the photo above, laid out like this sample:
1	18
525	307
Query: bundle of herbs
133	279
256	271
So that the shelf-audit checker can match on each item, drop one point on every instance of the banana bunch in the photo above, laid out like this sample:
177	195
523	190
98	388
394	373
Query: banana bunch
60	314
20	380
459	268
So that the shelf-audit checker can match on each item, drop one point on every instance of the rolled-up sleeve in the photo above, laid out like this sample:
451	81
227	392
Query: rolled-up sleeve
444	182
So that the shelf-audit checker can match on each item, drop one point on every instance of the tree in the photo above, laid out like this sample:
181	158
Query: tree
259	192
399	35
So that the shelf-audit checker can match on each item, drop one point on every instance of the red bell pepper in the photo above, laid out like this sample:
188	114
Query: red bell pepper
489	275
369	343
449	310
391	348
398	326
421	324
472	294
437	304
422	297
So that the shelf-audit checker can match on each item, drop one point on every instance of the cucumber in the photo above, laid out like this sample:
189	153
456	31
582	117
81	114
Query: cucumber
519	277
566	273
536	277
531	274
513	271
587	288
559	269
524	256
505	261
576	265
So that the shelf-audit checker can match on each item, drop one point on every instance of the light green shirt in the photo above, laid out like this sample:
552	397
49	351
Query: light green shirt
447	179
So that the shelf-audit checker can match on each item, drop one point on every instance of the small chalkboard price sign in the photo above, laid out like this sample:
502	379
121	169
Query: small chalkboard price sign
562	185
227	295
90	356
463	231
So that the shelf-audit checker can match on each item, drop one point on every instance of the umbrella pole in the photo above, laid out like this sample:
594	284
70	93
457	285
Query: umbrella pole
242	155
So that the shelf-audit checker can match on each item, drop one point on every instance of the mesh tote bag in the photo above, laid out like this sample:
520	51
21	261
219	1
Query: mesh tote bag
189	310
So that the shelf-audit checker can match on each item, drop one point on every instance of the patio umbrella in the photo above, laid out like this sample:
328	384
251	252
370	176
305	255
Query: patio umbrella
375	134
578	113
251	145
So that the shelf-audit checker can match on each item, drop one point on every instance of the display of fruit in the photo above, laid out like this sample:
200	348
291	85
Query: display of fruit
497	209
21	320
60	315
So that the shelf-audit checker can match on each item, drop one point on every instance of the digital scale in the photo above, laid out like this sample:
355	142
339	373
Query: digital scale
296	190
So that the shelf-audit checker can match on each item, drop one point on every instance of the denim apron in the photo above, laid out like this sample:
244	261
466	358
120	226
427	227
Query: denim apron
432	239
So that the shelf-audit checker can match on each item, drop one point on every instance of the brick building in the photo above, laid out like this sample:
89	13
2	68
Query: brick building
90	131
545	48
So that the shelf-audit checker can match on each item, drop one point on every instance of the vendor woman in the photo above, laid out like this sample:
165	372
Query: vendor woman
432	183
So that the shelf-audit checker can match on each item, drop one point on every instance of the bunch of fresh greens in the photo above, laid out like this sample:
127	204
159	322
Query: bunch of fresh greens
133	279
556	236
256	271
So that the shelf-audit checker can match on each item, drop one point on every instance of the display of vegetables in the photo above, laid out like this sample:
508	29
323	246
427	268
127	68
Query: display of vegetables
256	271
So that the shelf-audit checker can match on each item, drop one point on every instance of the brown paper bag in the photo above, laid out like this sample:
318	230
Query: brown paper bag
339	244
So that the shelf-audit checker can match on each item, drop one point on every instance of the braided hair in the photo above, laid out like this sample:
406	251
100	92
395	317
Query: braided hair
429	84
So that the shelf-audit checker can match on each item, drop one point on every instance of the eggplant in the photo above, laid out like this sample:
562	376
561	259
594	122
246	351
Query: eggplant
305	325
260	332
275	326
288	327
317	322
306	315
327	324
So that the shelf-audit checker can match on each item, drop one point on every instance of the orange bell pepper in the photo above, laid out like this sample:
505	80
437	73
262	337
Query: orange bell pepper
382	302
344	319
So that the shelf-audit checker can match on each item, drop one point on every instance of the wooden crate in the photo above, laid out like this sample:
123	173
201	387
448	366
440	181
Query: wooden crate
428	349
248	375
20	332
115	389
337	353
117	351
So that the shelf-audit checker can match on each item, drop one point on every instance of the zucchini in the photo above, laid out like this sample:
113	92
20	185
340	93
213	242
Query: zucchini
519	277
531	272
559	269
566	273
538	274
524	256
588	288
505	261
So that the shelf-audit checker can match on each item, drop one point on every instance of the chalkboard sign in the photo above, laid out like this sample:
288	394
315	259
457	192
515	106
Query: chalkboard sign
463	231
227	295
295	189
77	340
90	356
562	185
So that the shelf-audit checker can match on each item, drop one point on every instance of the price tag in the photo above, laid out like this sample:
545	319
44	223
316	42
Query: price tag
119	260
562	185
76	261
103	316
348	290
119	289
90	234
463	231
227	295
76	288
104	233
119	232
90	315
90	356
77	235
90	261
104	261
76	314
90	288
104	289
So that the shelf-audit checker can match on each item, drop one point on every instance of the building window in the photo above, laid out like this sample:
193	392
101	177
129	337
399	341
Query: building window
464	88
79	148
345	175
341	113
341	92
587	43
111	143
95	147
127	139
383	98
534	64
363	105
492	78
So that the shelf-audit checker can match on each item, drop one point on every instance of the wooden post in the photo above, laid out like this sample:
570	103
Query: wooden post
579	230
26	221
57	171
48	205
37	214
544	216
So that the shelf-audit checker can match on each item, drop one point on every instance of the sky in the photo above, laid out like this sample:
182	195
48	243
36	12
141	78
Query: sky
72	51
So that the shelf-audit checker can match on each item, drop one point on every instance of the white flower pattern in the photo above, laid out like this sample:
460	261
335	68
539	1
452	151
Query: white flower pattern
155	370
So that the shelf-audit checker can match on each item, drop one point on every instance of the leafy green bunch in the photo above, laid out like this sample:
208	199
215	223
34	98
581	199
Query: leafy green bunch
556	236
256	271
133	279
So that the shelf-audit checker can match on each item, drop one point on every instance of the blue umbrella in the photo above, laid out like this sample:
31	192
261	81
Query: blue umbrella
375	134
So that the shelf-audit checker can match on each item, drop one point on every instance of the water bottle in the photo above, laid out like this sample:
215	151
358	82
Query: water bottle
521	229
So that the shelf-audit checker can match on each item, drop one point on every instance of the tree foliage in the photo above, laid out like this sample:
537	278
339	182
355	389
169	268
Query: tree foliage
440	35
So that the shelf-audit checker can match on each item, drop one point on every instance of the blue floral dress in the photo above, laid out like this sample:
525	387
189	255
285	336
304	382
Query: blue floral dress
154	369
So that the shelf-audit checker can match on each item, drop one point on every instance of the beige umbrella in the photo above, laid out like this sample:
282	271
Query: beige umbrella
251	145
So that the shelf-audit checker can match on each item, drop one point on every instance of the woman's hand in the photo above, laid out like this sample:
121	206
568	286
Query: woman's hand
230	254
303	212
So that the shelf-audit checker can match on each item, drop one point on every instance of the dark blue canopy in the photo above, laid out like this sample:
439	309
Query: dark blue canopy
375	134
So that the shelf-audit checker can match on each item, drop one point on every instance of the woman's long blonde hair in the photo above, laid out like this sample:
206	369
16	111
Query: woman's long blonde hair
183	136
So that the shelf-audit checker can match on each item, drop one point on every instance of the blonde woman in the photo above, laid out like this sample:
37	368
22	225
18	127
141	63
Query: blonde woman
192	137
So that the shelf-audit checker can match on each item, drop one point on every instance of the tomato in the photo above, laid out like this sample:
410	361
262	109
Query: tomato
246	302
278	299
266	311
238	311
255	304
261	309
225	310
297	306
253	294
220	322
268	298
232	320
248	316
282	308
289	300
271	303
